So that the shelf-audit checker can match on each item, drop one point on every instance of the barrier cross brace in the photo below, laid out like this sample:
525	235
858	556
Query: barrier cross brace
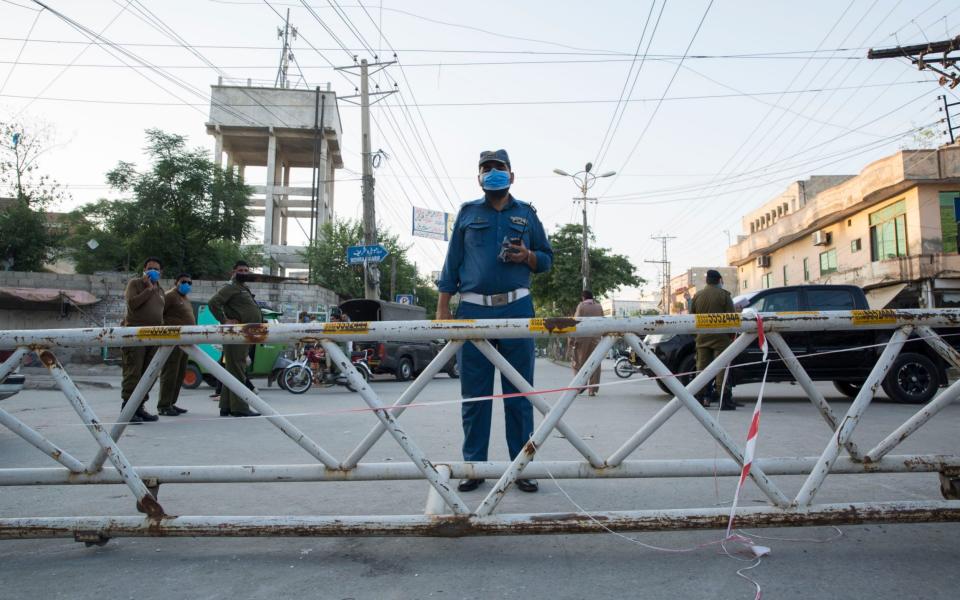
446	513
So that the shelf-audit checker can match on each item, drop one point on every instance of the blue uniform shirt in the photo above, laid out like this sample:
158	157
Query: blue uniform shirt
478	232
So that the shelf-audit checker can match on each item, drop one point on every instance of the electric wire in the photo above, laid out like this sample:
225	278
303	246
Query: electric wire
26	40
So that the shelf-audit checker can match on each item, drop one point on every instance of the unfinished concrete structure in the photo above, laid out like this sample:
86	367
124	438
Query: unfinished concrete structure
280	129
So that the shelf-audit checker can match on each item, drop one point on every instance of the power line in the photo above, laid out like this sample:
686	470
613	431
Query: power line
26	40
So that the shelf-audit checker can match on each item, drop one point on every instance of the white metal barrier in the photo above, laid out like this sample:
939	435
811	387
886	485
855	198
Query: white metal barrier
447	514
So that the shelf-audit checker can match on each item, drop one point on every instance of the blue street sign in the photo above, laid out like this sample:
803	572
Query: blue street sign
364	254
405	299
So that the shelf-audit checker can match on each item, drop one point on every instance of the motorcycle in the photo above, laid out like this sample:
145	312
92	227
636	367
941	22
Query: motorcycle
311	368
627	365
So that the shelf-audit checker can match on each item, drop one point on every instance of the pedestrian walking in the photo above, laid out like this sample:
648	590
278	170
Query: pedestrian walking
583	347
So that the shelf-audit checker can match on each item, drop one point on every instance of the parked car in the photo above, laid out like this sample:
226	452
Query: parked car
13	382
269	360
914	377
402	359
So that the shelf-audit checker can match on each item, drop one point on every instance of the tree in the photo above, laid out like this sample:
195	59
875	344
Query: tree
328	265
557	292
27	240
184	210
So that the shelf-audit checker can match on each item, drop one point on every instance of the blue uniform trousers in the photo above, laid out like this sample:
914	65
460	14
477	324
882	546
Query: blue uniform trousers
476	379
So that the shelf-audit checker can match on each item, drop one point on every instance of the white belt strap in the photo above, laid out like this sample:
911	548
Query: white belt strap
494	299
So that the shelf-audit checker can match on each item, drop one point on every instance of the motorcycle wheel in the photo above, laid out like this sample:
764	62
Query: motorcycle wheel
280	381
366	377
623	368
297	379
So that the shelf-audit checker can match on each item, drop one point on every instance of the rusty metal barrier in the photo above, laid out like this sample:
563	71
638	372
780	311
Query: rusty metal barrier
446	513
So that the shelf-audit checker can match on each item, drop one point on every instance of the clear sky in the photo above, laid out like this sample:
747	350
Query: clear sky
769	92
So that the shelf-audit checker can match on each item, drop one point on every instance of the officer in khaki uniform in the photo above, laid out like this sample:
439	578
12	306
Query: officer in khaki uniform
713	299
177	310
234	304
144	299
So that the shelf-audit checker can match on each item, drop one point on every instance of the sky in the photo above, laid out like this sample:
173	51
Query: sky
704	108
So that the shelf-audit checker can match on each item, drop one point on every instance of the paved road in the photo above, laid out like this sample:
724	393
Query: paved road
900	561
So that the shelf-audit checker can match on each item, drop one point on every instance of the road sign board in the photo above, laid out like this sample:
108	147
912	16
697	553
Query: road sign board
365	254
405	298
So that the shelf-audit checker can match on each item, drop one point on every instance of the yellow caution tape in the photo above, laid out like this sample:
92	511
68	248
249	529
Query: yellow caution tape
717	320
554	325
345	328
874	317
159	333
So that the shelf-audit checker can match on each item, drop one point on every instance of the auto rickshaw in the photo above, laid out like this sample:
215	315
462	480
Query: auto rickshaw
269	360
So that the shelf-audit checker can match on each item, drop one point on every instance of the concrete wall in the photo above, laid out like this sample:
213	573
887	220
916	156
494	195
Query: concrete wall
239	106
109	287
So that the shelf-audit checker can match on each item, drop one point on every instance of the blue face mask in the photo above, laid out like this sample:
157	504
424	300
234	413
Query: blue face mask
495	180
154	275
184	288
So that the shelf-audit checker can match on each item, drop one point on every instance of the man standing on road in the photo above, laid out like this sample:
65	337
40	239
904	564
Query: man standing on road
713	299
177	310
232	305
497	243
144	299
583	347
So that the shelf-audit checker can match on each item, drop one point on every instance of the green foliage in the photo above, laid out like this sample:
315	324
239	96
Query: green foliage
557	292
184	210
328	265
27	239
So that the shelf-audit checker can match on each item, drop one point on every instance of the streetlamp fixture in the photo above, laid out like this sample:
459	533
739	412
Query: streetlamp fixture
584	180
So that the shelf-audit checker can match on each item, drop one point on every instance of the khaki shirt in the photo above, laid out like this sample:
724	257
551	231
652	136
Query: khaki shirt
235	301
713	299
589	308
177	309
144	303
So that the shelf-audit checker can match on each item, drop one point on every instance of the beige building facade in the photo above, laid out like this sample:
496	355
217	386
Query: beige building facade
684	287
892	230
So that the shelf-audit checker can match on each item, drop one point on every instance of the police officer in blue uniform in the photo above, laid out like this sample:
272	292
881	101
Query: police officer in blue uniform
496	245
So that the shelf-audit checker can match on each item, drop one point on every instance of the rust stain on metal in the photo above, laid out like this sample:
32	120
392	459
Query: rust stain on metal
48	358
149	506
559	323
255	333
530	448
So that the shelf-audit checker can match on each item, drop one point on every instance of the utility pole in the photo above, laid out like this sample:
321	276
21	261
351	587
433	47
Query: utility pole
946	120
919	55
285	34
665	272
371	278
584	180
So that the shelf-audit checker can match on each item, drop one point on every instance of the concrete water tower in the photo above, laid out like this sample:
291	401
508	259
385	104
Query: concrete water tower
282	129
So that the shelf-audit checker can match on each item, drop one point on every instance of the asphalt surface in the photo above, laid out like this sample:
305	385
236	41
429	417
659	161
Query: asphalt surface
889	561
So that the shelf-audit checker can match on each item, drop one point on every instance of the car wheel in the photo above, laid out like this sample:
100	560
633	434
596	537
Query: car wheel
688	366
913	379
297	379
623	368
848	388
404	369
454	370
192	377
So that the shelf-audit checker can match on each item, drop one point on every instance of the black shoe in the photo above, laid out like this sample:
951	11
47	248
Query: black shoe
145	416
528	485
728	407
244	413
136	420
169	412
224	412
468	485
179	410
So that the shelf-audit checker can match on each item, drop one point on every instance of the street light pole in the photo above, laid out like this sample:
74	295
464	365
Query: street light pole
584	180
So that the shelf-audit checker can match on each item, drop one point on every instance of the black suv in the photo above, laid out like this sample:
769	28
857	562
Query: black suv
402	359
914	377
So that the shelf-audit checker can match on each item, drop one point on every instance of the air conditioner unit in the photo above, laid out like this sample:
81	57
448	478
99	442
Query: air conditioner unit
821	238
763	261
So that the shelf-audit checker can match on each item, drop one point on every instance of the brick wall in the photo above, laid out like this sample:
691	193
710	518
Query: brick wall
289	297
